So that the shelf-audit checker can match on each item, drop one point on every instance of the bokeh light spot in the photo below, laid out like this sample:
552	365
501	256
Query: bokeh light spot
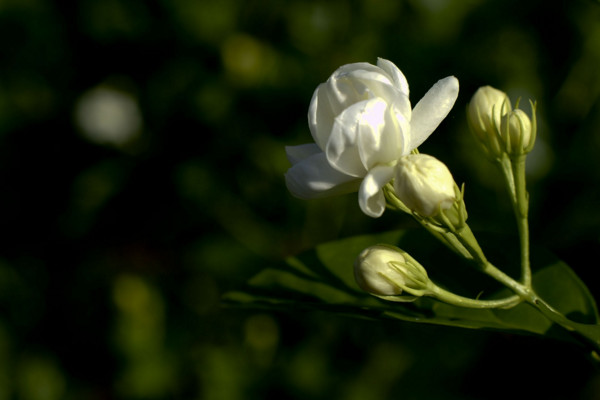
108	116
39	378
247	60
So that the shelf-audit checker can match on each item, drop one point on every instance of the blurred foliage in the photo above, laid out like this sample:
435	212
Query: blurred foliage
115	252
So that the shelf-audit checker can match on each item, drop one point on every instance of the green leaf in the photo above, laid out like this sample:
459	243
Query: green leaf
561	288
322	279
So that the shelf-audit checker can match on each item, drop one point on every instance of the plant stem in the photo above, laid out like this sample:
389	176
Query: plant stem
468	241
460	301
507	171
590	333
513	170
463	241
521	208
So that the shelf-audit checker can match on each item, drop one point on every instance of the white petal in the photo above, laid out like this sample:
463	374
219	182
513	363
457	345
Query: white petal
313	178
371	74
369	84
356	82
402	126
394	72
370	194
432	109
295	154
340	90
320	116
349	68
380	139
342	147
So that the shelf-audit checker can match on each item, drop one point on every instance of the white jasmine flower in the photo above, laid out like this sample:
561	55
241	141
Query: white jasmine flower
362	123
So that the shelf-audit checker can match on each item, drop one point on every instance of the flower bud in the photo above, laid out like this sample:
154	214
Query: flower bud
484	115
384	270
516	131
424	184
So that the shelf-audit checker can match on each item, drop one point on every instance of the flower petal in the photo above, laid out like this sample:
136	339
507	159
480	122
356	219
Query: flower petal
394	72
295	154
366	134
368	84
401	124
313	178
380	139
370	195
320	116
343	148
347	68
432	109
352	83
340	88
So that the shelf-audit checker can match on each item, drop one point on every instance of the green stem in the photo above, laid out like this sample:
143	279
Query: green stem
521	209
589	333
393	201
460	301
450	240
464	242
507	171
513	170
468	241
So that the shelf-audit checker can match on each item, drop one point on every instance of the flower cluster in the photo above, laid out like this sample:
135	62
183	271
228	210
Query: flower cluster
498	127
364	129
366	135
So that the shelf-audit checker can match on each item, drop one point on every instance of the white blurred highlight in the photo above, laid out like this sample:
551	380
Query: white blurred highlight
108	116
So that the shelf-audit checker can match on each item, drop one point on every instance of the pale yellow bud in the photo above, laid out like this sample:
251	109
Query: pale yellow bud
516	131
384	270
484	114
424	184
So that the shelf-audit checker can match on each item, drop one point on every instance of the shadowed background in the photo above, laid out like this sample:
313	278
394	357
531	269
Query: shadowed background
141	177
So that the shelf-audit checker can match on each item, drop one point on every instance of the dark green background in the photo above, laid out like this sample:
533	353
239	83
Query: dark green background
113	258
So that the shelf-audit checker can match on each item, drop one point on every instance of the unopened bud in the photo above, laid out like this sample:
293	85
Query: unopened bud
384	270
484	115
517	132
424	184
